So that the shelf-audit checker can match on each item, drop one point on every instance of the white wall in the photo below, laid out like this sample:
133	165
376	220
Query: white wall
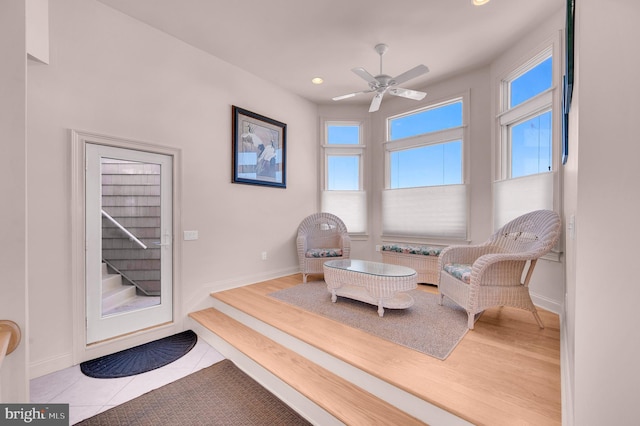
570	205
13	187
605	287
38	30
112	75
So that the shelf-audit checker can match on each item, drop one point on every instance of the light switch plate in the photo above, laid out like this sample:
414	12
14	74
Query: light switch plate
190	235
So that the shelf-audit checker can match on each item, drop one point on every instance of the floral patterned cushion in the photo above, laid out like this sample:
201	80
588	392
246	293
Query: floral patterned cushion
409	249
460	271
324	252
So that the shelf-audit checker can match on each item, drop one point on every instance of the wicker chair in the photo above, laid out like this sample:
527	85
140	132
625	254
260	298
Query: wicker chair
491	274
321	237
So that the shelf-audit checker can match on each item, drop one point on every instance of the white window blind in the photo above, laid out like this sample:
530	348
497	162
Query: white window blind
515	197
431	211
350	206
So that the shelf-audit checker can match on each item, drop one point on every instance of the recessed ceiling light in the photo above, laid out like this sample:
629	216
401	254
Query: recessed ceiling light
480	2
317	80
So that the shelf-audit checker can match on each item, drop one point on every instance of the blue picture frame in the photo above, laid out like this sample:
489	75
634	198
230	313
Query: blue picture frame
567	80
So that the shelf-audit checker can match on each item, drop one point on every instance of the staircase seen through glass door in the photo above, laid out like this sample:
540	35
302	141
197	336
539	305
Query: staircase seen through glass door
129	241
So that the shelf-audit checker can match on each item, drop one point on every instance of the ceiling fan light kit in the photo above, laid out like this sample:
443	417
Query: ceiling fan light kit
383	83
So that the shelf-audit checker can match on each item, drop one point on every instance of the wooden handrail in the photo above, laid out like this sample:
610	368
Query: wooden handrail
10	336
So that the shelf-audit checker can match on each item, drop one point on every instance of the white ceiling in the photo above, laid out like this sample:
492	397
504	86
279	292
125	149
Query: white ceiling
288	42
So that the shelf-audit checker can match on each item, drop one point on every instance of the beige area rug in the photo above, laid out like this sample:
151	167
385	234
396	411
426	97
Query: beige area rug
218	395
425	327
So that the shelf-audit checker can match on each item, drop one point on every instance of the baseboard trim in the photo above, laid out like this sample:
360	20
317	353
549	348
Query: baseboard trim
546	303
50	365
565	374
202	300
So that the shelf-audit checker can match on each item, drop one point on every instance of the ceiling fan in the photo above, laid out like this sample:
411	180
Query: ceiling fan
383	83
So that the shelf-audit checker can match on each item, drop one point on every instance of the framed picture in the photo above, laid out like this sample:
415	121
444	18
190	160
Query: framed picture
567	80
259	149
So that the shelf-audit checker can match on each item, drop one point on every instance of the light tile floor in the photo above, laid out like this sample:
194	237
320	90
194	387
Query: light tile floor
87	396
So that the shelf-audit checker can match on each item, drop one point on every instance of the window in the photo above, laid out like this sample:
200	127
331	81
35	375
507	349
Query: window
528	126
433	155
526	135
343	134
426	121
531	145
342	191
430	165
424	194
530	83
343	172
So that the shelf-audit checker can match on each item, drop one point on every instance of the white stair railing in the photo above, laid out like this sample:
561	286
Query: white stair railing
125	230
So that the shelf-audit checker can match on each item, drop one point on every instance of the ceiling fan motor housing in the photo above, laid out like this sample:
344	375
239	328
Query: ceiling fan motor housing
384	81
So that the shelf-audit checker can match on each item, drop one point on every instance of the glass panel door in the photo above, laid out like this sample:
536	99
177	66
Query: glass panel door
129	255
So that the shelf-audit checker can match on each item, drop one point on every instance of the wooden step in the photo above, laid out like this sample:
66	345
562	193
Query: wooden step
355	347
348	403
480	383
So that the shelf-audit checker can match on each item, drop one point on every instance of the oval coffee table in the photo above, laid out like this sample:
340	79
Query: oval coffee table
379	284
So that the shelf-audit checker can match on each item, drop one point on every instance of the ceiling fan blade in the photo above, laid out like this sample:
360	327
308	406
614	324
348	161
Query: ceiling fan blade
338	98
375	103
407	93
350	95
365	75
412	73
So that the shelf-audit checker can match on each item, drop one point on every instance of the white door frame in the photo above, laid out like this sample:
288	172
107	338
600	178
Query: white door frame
83	351
104	327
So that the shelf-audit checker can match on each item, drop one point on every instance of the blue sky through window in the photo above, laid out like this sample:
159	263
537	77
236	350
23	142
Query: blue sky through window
431	165
343	173
530	140
535	81
427	165
343	134
427	121
531	146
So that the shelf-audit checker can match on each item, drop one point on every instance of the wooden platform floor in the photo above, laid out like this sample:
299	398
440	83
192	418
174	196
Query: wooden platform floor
504	372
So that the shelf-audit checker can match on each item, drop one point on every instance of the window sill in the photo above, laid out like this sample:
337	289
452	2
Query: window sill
553	256
359	237
423	241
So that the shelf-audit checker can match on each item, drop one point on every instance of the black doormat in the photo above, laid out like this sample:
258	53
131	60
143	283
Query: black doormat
141	359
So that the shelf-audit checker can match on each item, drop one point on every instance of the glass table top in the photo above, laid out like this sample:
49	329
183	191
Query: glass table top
371	268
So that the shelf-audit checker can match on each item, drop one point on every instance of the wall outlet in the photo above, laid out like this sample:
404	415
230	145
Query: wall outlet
190	235
264	255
